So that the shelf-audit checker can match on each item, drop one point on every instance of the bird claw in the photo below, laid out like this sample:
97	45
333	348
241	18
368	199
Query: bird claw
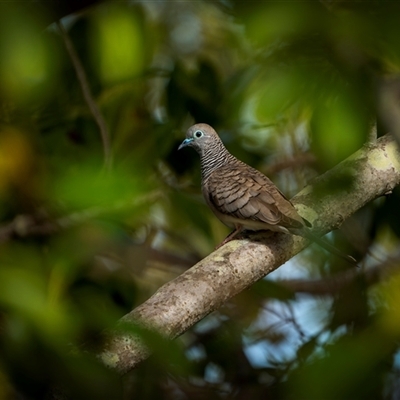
238	229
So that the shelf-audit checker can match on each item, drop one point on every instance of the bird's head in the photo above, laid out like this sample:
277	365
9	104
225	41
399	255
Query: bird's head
200	136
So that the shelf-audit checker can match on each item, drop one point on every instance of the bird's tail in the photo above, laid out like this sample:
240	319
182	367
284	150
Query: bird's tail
328	247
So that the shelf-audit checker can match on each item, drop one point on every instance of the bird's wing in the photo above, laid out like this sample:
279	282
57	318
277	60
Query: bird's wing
246	194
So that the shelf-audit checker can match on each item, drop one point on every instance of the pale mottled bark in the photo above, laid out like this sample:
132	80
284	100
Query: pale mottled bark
178	305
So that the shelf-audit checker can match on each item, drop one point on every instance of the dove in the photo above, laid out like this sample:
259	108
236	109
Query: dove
242	197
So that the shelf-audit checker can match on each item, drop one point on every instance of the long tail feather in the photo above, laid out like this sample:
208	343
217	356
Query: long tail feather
328	247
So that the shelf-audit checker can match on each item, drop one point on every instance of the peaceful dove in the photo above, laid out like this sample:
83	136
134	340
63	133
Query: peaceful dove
242	197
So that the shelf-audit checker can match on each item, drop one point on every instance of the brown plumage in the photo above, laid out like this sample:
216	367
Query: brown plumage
242	197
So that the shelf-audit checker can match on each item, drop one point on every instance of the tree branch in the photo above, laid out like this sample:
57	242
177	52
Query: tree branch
87	94
333	284
25	225
369	173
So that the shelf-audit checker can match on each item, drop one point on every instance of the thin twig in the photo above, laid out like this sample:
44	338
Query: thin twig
334	284
94	109
26	225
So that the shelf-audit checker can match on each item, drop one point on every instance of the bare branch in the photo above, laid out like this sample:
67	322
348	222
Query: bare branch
87	94
178	305
333	284
25	225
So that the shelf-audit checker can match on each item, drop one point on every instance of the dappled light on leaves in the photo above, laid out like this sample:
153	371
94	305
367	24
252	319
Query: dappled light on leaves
118	44
280	90
273	23
85	186
27	64
339	127
16	159
390	310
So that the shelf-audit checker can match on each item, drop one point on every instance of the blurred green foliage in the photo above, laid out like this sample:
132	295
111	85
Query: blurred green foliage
117	44
292	89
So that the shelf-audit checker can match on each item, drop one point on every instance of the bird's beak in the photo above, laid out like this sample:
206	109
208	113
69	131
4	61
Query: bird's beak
185	143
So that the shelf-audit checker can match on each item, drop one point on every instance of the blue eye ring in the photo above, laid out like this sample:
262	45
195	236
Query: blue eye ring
198	134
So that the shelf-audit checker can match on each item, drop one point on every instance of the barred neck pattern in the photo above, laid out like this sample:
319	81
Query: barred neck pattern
213	157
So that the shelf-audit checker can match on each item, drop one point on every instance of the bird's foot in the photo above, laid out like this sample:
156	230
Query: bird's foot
238	229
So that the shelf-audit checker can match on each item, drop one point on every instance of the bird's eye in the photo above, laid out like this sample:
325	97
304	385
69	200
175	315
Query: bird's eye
198	134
